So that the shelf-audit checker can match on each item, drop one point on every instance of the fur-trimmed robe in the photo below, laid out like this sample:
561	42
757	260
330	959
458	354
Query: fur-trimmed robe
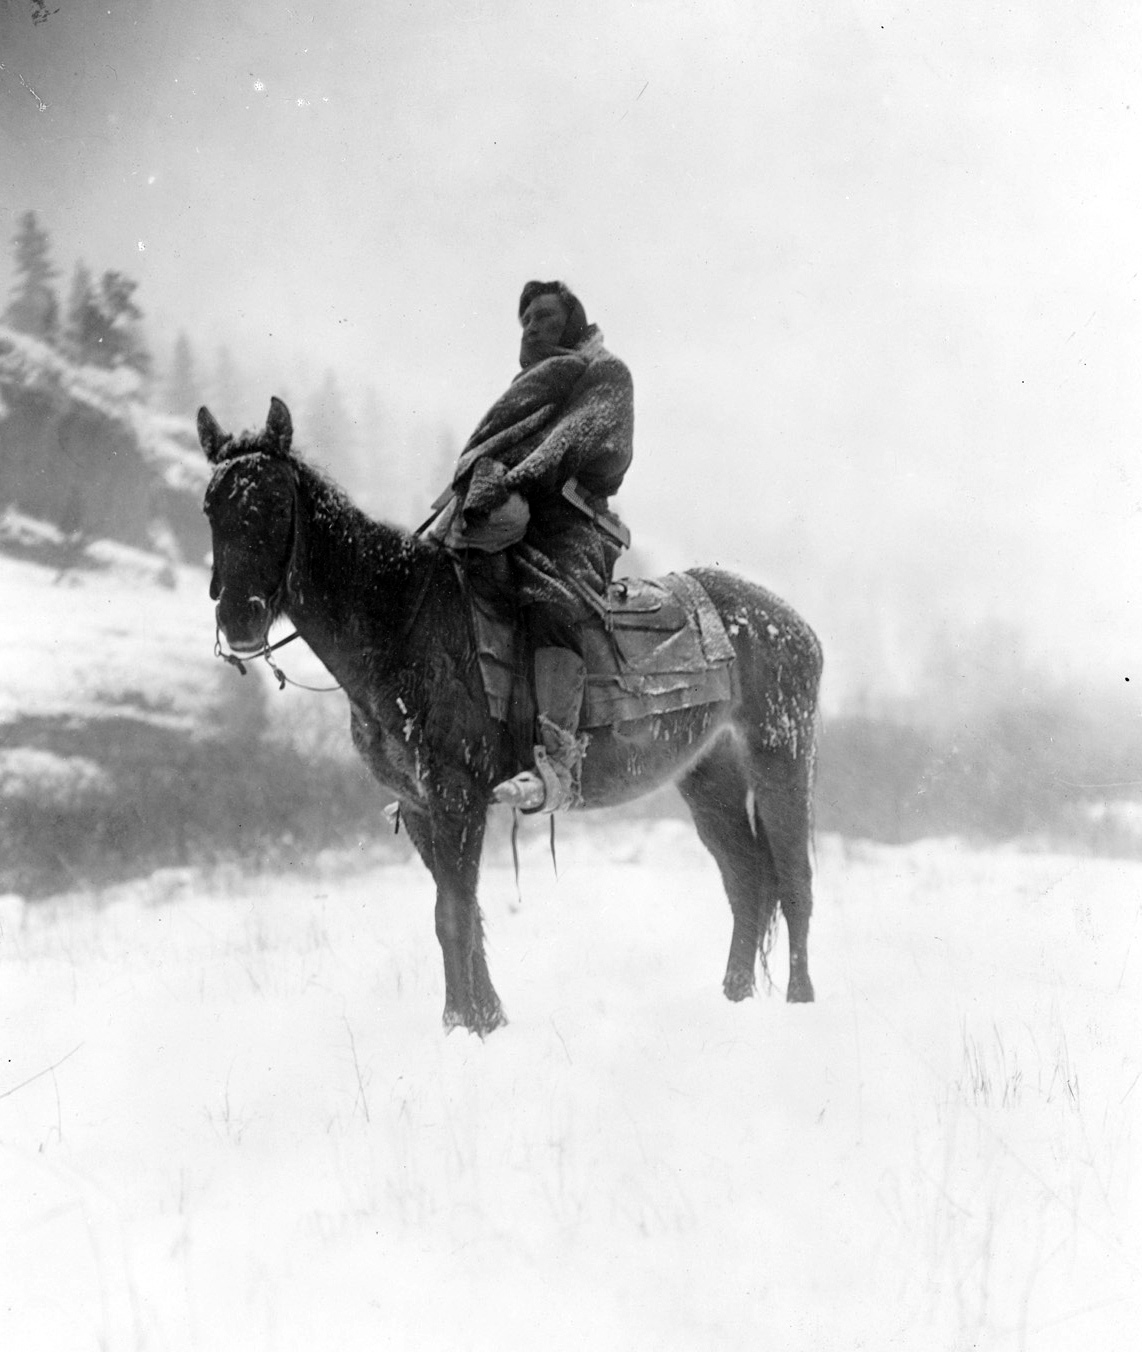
571	414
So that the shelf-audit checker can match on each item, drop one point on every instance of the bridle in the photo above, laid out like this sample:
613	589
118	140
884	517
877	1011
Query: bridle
264	653
275	605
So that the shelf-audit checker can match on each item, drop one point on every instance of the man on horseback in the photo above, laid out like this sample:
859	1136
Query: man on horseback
528	512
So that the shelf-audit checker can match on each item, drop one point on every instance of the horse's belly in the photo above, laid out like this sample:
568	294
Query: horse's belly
629	760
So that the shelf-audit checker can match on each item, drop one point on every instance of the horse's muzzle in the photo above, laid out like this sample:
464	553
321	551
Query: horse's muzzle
246	626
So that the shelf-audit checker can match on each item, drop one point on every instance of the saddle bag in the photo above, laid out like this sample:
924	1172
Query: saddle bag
661	646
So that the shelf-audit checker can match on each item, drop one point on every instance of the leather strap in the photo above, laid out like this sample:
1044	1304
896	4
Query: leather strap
607	522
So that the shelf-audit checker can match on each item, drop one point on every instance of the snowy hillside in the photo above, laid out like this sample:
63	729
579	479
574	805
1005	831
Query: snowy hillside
106	639
35	367
80	446
128	634
229	1118
126	745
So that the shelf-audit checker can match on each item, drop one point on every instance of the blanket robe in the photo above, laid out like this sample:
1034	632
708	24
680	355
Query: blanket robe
571	414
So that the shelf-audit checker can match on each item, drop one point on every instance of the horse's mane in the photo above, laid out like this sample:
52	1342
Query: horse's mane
360	539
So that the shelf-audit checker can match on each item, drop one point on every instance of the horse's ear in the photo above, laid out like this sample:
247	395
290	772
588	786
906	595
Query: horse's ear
280	425
210	435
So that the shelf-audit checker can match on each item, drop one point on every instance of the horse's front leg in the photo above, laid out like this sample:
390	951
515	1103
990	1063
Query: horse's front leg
450	844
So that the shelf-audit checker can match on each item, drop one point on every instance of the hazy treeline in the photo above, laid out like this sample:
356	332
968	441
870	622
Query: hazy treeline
156	795
243	789
1050	769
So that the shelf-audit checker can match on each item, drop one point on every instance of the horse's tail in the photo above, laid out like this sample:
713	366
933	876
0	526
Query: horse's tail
811	789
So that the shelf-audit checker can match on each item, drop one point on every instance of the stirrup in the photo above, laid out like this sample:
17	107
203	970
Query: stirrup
538	790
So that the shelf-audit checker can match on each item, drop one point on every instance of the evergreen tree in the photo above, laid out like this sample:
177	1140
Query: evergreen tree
83	323
380	485
76	537
374	426
183	394
225	389
103	324
122	340
446	453
330	435
426	468
34	308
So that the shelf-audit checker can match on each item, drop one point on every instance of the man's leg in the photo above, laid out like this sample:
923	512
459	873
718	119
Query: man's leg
560	681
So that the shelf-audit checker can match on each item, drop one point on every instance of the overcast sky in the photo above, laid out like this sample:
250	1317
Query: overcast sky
875	267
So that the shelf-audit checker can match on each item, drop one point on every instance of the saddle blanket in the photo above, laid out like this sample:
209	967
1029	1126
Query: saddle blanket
661	646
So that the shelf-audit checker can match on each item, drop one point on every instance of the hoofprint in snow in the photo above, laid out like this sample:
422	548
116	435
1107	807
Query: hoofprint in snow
229	1118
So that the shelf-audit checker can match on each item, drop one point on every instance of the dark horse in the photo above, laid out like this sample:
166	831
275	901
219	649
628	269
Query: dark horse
386	613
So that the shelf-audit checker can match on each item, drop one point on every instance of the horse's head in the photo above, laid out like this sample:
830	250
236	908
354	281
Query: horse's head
251	504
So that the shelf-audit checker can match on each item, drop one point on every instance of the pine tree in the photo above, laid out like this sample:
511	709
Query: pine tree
102	326
83	323
34	308
426	467
225	389
374	424
380	486
122	340
447	451
183	394
330	435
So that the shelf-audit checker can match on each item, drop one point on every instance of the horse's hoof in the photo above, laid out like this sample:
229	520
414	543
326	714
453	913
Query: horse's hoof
739	986
479	1021
487	1020
800	991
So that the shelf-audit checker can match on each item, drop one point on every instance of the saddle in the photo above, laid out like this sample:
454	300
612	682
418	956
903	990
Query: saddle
657	645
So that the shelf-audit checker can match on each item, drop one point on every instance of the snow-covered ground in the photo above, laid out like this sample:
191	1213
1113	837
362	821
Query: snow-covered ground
229	1118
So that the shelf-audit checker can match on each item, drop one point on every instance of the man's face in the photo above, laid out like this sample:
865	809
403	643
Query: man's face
543	323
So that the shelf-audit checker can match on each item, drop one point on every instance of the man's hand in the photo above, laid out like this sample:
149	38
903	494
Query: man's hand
486	491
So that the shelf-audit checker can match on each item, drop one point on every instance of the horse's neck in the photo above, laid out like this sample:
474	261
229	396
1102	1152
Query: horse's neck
357	579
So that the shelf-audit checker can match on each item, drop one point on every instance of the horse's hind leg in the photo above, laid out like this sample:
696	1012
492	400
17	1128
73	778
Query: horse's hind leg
782	793
716	792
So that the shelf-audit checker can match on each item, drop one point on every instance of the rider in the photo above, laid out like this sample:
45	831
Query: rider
529	502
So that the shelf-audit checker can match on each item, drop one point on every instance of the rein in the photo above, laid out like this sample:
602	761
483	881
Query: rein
264	653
